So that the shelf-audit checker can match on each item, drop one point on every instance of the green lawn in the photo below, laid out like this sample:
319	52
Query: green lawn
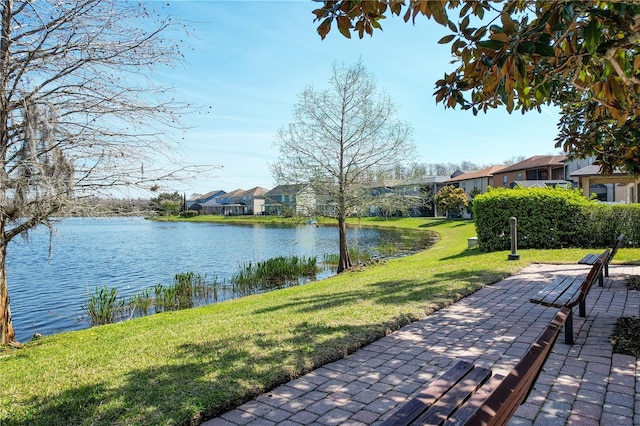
172	368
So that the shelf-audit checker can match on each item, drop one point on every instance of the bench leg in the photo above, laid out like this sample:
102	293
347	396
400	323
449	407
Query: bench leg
568	329
583	308
606	269
601	278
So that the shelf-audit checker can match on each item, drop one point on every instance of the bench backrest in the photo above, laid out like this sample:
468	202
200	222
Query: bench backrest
594	274
503	402
616	246
596	271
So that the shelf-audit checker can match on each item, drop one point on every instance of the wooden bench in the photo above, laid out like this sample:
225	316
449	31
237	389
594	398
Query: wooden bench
468	395
590	258
569	291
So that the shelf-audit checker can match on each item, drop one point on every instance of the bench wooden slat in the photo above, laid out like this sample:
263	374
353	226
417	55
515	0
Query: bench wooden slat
473	404
561	291
491	403
502	403
571	291
445	406
415	406
591	258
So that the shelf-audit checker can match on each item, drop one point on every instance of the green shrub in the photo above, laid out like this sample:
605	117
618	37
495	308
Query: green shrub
604	222
547	217
189	213
552	218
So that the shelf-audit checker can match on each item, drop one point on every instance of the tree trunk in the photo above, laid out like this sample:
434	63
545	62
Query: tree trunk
7	335
345	260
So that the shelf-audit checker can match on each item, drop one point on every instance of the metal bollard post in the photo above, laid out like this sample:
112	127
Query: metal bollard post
514	239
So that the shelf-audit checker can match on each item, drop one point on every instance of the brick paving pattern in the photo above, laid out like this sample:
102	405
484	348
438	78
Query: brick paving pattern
583	384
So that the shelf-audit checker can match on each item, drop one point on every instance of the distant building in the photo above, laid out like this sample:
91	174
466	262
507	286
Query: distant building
195	201
237	203
291	200
476	182
617	187
539	170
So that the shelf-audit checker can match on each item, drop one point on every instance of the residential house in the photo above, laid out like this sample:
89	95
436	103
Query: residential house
539	170
196	200
475	182
238	202
291	200
616	187
249	202
424	188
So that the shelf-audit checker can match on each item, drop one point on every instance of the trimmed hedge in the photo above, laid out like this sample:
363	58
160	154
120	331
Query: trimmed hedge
605	222
552	218
547	217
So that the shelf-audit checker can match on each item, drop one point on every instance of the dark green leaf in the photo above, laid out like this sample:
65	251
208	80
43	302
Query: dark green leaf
543	49
567	12
502	92
526	47
543	20
592	34
491	44
522	68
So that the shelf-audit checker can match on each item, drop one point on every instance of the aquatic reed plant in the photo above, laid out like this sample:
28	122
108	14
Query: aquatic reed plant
187	288
141	302
273	273
203	291
104	307
387	249
184	284
357	255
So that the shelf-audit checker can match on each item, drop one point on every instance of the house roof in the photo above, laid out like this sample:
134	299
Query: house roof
196	197
541	183
486	172
594	170
287	189
427	180
535	162
255	192
234	193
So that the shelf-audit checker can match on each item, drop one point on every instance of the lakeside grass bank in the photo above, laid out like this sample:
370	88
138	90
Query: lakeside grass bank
174	367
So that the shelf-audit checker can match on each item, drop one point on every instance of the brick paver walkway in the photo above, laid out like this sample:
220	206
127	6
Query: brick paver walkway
583	384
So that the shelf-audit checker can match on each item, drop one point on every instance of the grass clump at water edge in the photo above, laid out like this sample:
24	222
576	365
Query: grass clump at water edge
277	272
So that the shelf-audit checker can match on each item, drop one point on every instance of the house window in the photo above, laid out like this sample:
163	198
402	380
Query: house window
475	184
504	181
463	185
519	176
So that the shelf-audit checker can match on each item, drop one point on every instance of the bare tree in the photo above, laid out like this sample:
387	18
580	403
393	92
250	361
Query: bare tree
78	112
340	137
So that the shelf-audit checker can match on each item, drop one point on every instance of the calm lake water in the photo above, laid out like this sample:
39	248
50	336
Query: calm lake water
132	254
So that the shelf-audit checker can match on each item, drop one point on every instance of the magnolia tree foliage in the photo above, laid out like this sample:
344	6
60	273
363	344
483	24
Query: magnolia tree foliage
522	54
77	112
339	138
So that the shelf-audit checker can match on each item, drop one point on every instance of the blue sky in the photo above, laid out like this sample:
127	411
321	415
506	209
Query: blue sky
249	61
